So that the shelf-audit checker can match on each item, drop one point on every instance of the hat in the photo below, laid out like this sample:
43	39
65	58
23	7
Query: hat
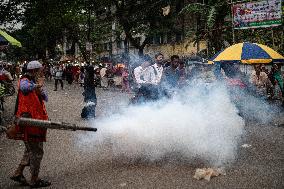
34	65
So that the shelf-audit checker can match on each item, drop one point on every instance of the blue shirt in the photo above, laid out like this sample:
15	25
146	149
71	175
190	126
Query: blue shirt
27	86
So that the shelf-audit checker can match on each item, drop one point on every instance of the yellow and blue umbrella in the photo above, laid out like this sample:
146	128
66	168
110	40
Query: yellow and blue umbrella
6	39
247	53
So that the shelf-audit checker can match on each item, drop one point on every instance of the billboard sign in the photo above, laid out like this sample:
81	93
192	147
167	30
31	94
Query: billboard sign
265	13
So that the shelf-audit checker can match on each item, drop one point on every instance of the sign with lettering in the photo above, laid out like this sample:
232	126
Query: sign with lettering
265	13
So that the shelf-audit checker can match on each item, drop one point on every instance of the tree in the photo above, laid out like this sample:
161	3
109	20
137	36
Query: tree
142	18
215	30
47	21
11	11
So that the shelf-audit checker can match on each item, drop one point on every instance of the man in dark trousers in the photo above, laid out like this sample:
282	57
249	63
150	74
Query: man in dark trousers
30	103
89	94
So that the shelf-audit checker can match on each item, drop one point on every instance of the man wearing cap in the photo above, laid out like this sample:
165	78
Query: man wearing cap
30	103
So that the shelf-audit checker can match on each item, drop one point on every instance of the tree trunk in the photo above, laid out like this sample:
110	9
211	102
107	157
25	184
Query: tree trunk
83	51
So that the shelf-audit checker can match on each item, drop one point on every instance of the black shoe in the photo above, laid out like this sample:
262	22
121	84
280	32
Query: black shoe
55	90
20	179
40	183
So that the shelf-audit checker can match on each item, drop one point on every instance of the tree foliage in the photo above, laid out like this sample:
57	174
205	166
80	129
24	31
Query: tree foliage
211	16
142	18
47	21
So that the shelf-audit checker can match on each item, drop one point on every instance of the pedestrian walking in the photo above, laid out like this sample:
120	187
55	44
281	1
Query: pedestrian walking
89	94
30	103
125	80
52	72
104	79
69	74
81	76
58	77
18	71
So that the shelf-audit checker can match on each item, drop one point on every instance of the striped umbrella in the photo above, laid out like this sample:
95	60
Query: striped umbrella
6	39
247	53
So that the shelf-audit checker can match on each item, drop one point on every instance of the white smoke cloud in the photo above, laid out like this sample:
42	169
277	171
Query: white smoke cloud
257	108
196	123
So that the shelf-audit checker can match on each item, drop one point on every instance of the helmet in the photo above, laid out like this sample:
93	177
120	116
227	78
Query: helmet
34	65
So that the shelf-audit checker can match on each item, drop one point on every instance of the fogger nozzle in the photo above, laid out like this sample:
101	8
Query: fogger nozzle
52	125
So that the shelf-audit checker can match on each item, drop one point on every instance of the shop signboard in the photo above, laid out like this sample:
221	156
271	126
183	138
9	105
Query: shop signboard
265	13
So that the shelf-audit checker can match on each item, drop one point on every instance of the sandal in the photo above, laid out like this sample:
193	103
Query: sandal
40	183
20	179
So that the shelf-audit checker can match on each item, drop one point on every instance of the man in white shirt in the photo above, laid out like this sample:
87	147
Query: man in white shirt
157	69
142	74
148	78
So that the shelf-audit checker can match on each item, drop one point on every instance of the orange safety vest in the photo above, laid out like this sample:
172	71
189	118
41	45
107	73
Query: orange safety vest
34	106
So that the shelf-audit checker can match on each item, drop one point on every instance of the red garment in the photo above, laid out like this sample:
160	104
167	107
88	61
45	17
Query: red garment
236	83
3	77
34	106
75	70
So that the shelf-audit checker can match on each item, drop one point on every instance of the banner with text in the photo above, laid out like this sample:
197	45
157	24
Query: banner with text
265	13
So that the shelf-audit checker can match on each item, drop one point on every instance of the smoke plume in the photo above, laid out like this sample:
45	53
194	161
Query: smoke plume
197	122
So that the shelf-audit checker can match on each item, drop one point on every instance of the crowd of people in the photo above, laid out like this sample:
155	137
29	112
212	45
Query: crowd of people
268	82
155	79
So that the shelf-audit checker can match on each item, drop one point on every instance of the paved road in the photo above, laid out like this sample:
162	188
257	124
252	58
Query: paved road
68	166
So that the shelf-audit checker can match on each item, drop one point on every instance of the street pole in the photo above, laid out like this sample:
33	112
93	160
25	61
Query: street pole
88	41
89	33
273	41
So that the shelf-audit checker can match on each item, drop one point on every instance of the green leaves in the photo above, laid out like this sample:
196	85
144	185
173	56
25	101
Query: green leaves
195	8
211	18
206	11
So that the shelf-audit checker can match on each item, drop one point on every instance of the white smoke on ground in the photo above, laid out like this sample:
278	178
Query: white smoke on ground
195	123
257	109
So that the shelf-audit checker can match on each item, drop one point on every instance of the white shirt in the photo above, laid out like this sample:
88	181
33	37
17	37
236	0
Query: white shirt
138	74
103	72
58	73
157	74
145	75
